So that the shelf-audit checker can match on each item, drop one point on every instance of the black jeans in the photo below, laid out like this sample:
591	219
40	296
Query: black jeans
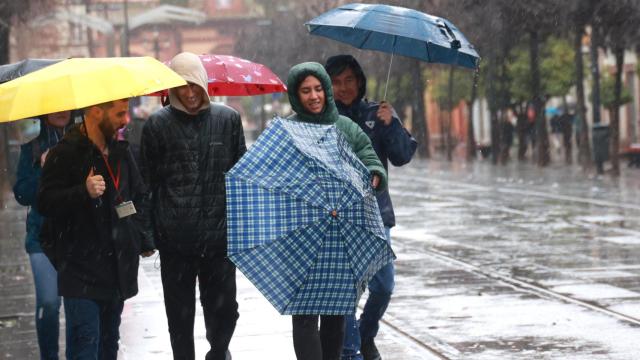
217	279
311	344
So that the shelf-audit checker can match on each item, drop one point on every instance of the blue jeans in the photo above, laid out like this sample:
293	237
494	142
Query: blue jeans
380	289
92	328
45	278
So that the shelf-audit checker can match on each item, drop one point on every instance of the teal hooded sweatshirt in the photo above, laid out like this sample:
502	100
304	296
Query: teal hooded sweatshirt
359	141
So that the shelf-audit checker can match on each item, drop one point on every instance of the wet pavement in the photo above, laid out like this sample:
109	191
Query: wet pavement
493	262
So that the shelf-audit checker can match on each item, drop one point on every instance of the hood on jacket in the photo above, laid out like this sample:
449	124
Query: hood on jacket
49	135
297	74
338	63
45	130
190	68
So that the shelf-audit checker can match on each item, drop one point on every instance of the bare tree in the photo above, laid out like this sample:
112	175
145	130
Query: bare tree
618	19
580	15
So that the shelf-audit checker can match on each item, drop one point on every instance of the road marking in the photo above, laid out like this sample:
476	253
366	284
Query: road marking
513	191
522	285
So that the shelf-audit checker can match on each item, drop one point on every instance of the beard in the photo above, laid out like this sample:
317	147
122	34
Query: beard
107	128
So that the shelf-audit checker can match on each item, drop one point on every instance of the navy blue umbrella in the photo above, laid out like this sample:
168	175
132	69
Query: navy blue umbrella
396	30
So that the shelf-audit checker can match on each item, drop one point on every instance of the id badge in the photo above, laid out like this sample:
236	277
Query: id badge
125	209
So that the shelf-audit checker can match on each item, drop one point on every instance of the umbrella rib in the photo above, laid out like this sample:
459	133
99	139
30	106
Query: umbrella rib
426	48
365	39
305	280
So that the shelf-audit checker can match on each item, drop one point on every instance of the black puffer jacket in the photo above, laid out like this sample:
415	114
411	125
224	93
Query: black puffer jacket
183	159
96	254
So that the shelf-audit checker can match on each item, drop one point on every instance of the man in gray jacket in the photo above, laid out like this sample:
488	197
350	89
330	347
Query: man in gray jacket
186	148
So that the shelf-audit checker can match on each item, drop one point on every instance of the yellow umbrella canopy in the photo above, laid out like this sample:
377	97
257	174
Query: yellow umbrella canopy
81	82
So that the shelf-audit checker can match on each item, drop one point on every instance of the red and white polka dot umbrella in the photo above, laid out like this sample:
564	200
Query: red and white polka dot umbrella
234	76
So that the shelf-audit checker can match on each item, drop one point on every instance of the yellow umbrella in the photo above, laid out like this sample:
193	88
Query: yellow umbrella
78	83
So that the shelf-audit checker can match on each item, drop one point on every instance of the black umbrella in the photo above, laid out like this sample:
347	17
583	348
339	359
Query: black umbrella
16	70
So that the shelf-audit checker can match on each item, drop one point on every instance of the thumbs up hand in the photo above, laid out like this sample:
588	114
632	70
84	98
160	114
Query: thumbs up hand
95	185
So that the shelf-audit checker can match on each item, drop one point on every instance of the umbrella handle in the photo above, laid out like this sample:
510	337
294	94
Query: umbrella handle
387	83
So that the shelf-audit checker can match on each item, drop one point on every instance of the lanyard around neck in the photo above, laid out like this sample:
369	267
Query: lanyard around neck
115	179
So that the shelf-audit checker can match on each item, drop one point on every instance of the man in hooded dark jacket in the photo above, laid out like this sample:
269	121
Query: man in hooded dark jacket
186	148
89	186
392	143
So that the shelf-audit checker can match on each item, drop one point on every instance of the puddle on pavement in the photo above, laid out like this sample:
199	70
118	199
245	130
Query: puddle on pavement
8	322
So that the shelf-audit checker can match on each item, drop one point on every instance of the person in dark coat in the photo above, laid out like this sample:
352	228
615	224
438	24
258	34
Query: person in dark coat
186	148
88	190
566	127
393	143
32	157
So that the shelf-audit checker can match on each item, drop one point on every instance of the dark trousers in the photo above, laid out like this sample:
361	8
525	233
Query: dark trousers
92	328
217	280
311	344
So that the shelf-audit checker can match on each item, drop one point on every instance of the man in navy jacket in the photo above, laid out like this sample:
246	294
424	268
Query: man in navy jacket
393	143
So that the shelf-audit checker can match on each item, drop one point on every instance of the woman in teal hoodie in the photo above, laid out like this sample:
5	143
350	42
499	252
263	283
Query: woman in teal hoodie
311	97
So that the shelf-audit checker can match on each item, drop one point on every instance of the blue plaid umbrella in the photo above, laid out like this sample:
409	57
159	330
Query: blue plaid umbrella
303	223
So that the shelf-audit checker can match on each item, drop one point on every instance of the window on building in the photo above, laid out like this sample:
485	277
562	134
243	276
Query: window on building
77	33
223	4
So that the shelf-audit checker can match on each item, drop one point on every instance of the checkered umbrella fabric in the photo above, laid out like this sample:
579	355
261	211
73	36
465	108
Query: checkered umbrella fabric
303	223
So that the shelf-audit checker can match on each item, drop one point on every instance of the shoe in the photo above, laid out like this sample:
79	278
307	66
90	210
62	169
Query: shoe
369	350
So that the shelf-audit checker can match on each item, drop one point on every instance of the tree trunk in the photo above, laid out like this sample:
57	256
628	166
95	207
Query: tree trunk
471	136
449	147
521	128
380	88
567	132
375	89
615	114
443	136
542	136
4	43
584	148
420	129
493	106
595	77
595	91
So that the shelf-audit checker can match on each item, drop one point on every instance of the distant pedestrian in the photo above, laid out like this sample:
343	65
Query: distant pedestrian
392	143
32	157
566	129
506	140
311	97
133	131
186	148
89	192
556	131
